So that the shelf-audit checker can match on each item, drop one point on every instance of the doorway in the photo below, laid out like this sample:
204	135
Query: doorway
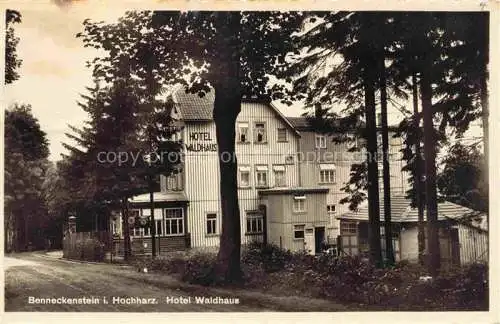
319	237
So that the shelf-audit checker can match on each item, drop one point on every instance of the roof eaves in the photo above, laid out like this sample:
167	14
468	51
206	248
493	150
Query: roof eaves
276	110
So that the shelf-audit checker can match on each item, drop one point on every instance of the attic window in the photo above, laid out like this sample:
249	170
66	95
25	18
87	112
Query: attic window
243	132
260	132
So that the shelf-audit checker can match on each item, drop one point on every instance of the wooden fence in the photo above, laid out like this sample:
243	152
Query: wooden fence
88	246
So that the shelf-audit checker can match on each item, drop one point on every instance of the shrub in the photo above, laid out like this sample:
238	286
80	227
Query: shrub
271	257
468	287
254	275
344	279
199	270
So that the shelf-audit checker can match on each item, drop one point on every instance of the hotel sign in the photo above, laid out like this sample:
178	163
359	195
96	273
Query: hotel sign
201	147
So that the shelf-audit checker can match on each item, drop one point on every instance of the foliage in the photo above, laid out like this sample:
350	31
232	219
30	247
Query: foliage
343	54
199	269
348	280
461	180
352	280
12	62
26	152
87	249
269	256
230	53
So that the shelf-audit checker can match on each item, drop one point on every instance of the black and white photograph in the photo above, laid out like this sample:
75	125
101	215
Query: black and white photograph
199	160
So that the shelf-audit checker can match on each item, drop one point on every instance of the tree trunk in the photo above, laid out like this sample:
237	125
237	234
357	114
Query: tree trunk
126	231
152	223
227	106
430	143
417	181
389	251
228	259
373	187
484	103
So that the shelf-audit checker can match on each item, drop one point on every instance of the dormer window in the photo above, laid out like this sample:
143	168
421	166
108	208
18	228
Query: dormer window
260	132
243	133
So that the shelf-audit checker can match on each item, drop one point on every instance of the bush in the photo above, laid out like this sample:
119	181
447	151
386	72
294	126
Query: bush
271	257
343	279
88	250
199	270
468	287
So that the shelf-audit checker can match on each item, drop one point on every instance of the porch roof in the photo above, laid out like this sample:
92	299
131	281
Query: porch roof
161	197
296	190
402	212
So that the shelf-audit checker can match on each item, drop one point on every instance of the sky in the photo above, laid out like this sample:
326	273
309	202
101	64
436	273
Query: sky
53	72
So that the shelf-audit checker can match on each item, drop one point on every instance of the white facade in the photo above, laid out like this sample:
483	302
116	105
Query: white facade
279	166
261	164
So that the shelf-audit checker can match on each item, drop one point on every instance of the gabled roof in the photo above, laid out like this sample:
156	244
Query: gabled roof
304	123
402	212
192	107
399	205
300	123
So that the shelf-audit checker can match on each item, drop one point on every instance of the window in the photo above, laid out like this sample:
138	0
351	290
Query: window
260	132
282	135
320	141
141	231
137	230
327	173
298	231
159	227
261	176
299	204
244	173
279	176
348	228
255	223
175	134
352	144
211	223
174	221
331	209
115	226
175	182
349	234
243	133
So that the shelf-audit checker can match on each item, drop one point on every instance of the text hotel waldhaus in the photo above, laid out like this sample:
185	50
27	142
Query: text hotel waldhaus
289	182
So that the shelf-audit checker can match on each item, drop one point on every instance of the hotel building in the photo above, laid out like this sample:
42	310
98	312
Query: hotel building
288	184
